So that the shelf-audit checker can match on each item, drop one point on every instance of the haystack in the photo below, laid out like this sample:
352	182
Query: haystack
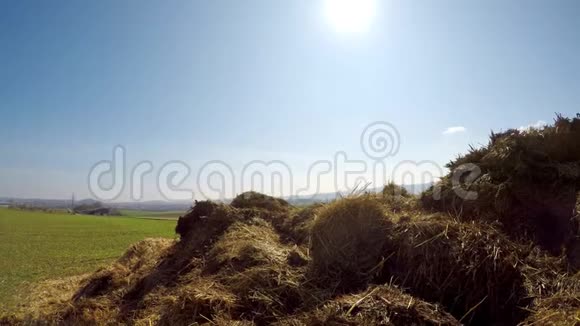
187	223
253	264
560	306
562	309
573	247
397	199
199	233
347	238
382	305
89	311
98	299
137	261
246	245
554	289
252	199
197	300
207	221
229	268
46	297
240	266
471	269
144	281
528	181
296	227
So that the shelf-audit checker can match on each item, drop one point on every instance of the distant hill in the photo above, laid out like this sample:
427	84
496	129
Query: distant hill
326	197
184	205
155	205
36	202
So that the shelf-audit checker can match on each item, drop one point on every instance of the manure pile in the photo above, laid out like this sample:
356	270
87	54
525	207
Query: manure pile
528	181
369	259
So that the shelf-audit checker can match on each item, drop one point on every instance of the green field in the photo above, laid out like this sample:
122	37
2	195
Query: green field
173	215
36	246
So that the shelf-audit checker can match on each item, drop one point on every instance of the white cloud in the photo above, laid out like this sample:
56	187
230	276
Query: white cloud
536	125
454	130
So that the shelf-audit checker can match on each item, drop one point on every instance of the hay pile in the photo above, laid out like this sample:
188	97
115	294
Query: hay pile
139	259
246	245
98	299
529	182
471	269
255	266
347	239
232	267
366	259
397	199
252	199
295	228
48	296
382	305
291	223
229	266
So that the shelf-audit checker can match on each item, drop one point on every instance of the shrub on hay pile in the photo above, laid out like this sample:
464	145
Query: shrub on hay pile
528	181
347	238
252	199
391	189
381	305
397	199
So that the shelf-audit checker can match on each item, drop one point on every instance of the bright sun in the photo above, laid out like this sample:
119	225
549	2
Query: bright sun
350	16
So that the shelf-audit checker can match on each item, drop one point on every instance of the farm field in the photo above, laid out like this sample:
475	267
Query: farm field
35	246
172	215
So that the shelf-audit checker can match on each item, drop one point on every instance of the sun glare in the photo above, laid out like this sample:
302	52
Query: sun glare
350	16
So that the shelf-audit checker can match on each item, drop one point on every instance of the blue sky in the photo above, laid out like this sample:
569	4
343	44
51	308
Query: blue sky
245	80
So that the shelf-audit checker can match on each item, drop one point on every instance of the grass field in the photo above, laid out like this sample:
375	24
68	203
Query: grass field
35	246
150	214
